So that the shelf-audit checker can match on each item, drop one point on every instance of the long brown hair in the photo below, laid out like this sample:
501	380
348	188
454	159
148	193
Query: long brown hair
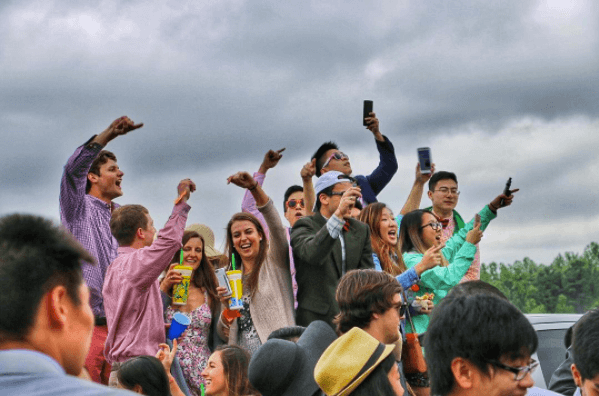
235	361
252	281
372	215
204	276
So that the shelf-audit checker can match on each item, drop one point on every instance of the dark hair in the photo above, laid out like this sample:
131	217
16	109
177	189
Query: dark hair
377	382
289	333
252	281
35	257
288	192
360	294
585	344
410	233
478	328
147	372
327	191
475	287
100	160
204	276
441	175
235	361
568	337
319	156
372	215
125	222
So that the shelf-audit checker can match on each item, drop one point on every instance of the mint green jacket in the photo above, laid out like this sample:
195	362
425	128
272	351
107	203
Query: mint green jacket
440	280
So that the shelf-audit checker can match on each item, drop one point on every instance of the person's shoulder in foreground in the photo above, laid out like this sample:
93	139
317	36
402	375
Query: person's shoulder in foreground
26	372
46	323
585	345
488	352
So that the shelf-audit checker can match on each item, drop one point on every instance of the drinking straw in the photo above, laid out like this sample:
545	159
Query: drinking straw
202	389
181	259
233	261
180	198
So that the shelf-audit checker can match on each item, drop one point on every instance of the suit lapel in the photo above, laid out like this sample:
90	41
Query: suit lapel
321	221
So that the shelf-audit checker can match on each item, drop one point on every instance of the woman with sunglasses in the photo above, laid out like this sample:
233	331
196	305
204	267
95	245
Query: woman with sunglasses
420	230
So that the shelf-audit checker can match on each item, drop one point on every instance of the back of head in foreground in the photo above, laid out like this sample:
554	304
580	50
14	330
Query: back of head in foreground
477	335
585	345
44	301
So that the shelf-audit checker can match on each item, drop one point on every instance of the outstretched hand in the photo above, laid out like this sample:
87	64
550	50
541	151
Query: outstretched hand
166	355
271	159
372	124
309	170
184	189
118	127
501	201
243	180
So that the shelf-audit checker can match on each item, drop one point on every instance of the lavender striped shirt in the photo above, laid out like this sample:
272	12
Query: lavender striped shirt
88	219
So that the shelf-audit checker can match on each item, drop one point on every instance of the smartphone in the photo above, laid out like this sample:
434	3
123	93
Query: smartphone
223	280
367	111
506	190
424	158
476	220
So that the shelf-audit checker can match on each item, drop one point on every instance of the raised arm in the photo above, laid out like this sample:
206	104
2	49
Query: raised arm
415	197
307	172
155	258
119	127
248	205
387	167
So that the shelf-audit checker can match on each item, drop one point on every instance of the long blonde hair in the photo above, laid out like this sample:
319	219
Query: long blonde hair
372	215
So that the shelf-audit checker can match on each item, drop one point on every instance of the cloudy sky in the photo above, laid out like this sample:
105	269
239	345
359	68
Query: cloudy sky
496	89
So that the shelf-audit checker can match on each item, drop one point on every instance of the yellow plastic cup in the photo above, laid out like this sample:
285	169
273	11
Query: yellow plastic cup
181	290
236	301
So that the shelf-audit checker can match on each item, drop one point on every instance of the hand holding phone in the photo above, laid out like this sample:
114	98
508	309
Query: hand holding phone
223	281
424	159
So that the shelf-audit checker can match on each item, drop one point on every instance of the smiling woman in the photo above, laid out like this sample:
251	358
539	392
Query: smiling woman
227	373
266	279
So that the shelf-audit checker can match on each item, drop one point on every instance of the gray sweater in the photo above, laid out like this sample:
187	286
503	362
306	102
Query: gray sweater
271	305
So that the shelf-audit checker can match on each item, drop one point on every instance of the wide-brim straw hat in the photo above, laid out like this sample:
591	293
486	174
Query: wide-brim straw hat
208	236
284	368
348	361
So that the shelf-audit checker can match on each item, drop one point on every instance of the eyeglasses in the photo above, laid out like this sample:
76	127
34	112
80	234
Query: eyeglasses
447	191
338	155
435	226
292	203
401	308
340	193
519	372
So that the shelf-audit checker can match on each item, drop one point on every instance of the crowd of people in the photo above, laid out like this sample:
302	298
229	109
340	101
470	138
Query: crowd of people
331	304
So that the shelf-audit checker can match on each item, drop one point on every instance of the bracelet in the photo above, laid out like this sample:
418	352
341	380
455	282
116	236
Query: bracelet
253	188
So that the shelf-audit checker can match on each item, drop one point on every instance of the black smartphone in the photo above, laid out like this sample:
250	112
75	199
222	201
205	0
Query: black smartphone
424	159
367	111
506	190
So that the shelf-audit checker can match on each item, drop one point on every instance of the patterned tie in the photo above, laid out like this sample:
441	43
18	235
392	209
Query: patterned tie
444	222
346	225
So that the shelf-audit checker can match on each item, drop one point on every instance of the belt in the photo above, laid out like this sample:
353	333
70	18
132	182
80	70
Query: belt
100	321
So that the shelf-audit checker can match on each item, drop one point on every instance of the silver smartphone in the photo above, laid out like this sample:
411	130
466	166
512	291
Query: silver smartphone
223	280
425	160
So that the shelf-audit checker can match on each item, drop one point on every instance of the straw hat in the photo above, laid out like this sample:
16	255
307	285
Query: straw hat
208	236
348	361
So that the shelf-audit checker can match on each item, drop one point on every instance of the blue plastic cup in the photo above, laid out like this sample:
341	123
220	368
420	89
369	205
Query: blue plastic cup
178	325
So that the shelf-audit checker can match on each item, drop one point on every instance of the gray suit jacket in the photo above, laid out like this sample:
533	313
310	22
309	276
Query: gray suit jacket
318	264
31	373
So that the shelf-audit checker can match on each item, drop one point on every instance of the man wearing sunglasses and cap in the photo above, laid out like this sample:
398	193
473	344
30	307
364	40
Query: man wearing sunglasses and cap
328	158
326	245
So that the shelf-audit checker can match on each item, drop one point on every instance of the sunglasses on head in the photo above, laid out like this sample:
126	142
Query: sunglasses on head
292	203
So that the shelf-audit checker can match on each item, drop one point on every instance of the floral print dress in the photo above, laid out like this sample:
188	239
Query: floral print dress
193	351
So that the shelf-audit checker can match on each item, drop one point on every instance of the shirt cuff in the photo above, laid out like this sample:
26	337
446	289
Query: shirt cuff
334	226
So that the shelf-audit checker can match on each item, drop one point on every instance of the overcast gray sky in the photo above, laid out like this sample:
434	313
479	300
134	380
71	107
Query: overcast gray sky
496	89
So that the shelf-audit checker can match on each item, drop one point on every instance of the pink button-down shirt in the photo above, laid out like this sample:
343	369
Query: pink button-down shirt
132	294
